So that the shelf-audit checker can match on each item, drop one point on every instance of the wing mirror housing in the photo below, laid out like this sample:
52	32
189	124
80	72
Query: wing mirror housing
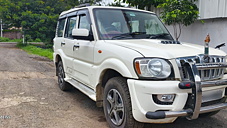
82	34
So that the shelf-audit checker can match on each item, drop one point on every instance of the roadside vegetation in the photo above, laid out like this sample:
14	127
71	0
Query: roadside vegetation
32	48
4	39
37	49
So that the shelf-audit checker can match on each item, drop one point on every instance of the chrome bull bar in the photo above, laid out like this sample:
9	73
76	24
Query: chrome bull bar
187	112
196	86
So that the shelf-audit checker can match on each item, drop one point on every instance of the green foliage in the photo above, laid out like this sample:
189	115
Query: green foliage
4	39
37	18
16	40
33	49
179	13
11	30
37	40
117	4
141	4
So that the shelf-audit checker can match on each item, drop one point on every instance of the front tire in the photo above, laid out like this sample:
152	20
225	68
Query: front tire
63	85
117	105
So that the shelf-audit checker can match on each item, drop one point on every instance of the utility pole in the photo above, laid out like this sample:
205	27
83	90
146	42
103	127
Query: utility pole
1	27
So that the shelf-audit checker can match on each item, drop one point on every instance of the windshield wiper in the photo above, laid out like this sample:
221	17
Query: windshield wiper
128	35
155	36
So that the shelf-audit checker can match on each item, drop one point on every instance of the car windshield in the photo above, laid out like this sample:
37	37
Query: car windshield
114	24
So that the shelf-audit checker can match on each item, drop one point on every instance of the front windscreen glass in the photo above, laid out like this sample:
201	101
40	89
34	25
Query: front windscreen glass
116	24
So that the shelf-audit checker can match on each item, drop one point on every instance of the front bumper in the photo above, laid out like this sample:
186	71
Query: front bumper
146	110
188	112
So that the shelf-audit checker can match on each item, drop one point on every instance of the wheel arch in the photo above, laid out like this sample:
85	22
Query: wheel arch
104	77
56	60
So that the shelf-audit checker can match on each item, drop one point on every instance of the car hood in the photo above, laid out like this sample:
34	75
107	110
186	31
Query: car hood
154	48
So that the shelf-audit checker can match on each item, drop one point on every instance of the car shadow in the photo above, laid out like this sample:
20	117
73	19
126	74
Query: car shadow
205	122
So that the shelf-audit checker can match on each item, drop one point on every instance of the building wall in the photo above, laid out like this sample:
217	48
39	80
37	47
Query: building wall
212	8
13	35
196	33
214	15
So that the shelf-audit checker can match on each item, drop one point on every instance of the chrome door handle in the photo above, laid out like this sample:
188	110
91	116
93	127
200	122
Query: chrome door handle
62	43
76	46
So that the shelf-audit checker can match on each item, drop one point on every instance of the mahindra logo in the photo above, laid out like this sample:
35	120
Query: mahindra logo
206	59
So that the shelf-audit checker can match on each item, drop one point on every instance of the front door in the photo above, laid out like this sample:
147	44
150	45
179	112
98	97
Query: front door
83	51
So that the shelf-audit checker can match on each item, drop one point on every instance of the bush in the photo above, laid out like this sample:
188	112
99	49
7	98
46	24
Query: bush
37	40
4	39
16	40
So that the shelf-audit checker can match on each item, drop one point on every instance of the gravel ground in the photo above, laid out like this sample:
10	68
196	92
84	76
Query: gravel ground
30	98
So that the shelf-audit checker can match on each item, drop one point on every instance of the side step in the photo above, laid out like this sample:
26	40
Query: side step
83	88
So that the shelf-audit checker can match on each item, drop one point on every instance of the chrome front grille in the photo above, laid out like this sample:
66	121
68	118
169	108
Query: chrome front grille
211	69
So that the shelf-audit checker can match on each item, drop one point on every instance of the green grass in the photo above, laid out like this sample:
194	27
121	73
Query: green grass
33	49
4	39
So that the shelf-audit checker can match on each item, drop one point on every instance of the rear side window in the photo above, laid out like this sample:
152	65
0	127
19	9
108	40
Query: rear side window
60	27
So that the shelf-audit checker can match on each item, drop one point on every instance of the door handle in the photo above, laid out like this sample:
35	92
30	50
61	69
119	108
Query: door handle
62	43
77	46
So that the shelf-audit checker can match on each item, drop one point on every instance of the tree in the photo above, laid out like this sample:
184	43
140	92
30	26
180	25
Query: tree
37	18
141	4
179	13
116	4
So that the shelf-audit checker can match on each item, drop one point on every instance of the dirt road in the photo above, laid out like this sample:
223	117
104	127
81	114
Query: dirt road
30	98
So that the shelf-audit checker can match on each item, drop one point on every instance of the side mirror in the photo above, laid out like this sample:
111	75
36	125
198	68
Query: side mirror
82	34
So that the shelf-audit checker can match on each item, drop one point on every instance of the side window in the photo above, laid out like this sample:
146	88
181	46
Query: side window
84	23
71	23
60	28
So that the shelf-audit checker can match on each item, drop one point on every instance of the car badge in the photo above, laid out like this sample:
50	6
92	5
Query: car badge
206	57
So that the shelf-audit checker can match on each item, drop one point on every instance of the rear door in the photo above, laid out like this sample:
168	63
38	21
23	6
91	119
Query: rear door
59	40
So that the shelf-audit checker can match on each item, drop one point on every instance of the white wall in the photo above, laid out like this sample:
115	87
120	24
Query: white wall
196	33
212	8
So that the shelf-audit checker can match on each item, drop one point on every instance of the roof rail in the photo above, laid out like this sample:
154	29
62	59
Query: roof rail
83	5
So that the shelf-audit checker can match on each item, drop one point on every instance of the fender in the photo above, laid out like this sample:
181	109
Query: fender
64	59
114	64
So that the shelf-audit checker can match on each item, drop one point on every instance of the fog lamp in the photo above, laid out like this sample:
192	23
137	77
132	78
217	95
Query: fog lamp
166	97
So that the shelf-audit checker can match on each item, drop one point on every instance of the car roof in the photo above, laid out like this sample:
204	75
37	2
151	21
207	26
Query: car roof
103	7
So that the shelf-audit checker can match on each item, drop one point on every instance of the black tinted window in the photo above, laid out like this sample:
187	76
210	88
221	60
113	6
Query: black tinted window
60	28
70	25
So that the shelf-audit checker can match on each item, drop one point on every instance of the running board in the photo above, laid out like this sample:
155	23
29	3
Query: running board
83	88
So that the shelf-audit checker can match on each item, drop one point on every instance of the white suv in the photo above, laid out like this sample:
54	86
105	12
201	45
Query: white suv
126	60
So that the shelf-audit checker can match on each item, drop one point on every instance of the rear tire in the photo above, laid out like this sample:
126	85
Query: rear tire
63	85
117	105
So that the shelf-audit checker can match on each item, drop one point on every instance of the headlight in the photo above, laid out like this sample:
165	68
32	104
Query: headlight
153	68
